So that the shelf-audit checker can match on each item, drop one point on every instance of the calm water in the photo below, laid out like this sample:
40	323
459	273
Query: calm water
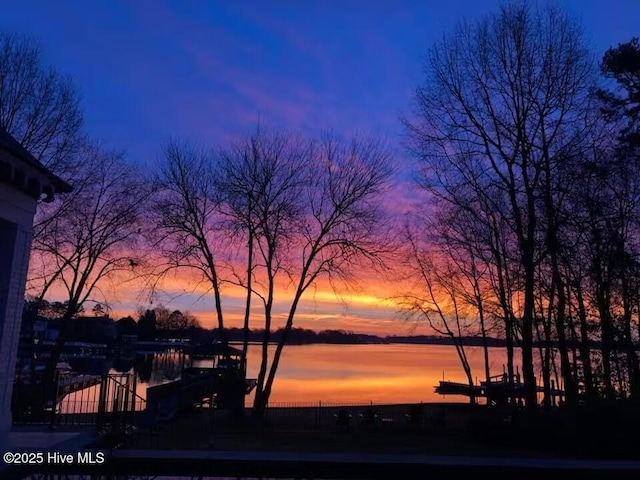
347	373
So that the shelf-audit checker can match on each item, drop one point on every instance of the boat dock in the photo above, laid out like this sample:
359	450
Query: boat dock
73	382
222	385
69	383
500	390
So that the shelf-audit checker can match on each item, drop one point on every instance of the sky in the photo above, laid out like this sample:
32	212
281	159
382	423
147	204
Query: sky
210	70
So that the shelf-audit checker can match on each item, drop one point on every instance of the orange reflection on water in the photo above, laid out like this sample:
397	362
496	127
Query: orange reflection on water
359	374
370	373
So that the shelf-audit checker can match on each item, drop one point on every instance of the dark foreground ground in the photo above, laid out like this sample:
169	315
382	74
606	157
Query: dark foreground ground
433	429
198	432
395	442
375	442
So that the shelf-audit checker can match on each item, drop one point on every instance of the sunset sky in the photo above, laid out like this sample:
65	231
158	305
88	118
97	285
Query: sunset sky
209	70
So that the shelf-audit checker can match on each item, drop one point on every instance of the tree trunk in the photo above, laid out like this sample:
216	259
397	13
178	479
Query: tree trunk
632	357
485	345
528	372
544	349
260	402
283	340
585	351
247	311
606	339
263	390
565	364
504	303
510	347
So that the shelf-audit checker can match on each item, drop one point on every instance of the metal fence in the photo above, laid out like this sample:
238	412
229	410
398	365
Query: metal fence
79	400
324	415
206	428
118	403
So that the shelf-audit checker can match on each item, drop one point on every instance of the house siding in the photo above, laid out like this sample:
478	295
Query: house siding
16	231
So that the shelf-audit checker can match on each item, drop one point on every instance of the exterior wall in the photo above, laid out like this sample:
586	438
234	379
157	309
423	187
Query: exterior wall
16	232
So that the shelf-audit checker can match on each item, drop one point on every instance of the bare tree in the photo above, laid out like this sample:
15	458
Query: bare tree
288	210
503	106
187	213
621	105
437	294
261	182
94	239
38	106
341	227
463	239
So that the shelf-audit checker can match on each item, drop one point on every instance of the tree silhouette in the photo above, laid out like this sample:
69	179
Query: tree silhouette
39	107
622	64
93	238
503	110
147	326
289	210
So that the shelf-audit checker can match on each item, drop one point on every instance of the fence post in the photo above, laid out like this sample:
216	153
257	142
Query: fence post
101	402
54	402
135	391
117	415
127	409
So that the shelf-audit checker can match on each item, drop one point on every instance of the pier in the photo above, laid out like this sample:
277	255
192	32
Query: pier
31	402
223	385
499	390
73	382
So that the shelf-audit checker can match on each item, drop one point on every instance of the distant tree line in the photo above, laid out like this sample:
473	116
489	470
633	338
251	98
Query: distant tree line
302	336
159	323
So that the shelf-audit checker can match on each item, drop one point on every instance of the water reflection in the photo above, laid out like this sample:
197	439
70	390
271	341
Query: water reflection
144	367
339	373
378	373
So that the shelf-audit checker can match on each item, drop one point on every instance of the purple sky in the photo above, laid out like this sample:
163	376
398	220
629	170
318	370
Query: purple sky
208	70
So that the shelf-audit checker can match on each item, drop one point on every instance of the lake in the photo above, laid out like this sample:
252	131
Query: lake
392	373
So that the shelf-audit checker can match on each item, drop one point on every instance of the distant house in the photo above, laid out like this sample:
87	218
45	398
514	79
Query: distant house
23	183
94	329
34	332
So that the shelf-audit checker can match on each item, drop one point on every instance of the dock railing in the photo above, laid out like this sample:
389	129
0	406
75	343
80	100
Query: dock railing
80	401
118	404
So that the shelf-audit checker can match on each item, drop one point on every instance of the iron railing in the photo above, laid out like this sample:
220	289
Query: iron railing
102	401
